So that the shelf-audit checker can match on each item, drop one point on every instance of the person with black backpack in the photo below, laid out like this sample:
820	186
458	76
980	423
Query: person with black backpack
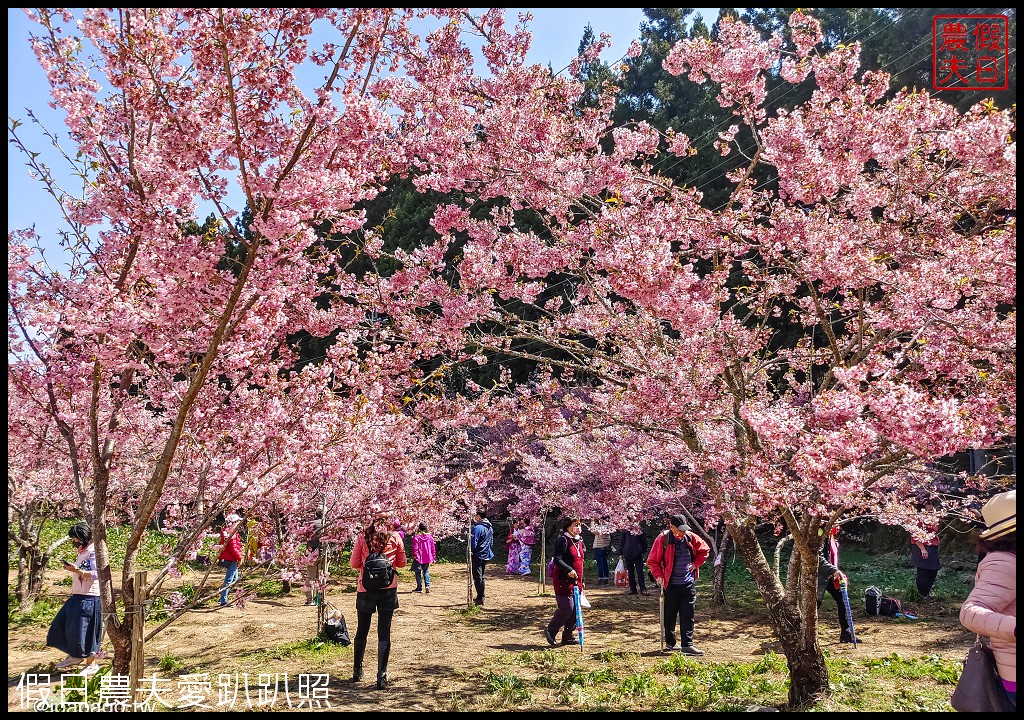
378	551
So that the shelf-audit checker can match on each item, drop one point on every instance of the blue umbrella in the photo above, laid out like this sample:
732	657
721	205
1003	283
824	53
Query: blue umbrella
846	605
579	614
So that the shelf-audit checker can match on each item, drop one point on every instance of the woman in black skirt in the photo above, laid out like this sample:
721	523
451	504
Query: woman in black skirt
78	627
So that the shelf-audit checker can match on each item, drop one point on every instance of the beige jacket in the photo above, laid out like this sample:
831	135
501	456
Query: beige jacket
991	609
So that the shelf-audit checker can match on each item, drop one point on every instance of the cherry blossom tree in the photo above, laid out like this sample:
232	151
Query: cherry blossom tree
157	351
803	350
39	488
806	349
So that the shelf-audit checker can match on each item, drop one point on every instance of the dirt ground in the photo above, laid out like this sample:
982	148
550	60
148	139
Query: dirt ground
440	654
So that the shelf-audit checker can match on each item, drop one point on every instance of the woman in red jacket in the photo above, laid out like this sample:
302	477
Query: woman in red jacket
230	553
675	560
568	573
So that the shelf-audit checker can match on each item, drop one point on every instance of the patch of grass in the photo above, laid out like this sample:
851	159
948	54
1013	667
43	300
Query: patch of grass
313	649
42	613
589	679
468	612
643	685
511	690
890	684
456	703
269	588
611	656
932	667
171	663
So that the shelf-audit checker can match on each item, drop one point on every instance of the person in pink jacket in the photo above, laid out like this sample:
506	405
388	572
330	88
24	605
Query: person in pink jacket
991	608
424	552
379	536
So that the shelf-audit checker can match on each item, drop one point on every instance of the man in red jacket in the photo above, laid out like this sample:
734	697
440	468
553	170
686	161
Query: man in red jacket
675	560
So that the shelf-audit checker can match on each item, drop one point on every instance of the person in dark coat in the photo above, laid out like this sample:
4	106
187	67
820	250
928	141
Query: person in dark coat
568	573
924	554
634	553
481	540
829	578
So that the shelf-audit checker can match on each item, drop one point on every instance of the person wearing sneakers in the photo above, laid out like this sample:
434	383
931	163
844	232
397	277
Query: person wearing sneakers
568	573
675	561
378	537
230	554
602	548
991	608
424	552
830	579
78	627
481	539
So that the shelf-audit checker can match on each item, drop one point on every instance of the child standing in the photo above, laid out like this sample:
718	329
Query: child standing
424	552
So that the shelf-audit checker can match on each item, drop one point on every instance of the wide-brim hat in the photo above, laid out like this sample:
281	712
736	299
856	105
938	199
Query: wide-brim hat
1000	513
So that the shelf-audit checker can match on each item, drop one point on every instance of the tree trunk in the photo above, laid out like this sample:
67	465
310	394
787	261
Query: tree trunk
718	585
793	619
24	589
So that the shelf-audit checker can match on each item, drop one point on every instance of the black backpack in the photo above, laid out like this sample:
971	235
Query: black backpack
875	603
377	572
872	599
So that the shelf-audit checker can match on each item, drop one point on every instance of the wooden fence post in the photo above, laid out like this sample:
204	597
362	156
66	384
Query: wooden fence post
543	550
469	564
138	610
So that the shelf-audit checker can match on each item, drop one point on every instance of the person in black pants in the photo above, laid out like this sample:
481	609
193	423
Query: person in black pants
829	577
924	553
634	551
377	537
675	561
481	541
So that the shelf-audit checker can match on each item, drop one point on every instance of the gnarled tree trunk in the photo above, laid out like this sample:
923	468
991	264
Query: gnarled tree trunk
792	613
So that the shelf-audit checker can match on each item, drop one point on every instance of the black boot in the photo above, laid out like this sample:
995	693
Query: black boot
357	673
382	681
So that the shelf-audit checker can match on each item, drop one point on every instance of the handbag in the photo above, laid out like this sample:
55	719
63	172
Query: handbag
584	603
980	689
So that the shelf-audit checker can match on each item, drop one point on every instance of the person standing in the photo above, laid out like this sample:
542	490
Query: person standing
830	578
230	553
527	538
924	553
634	552
568	573
991	607
378	537
514	546
77	628
315	545
675	561
481	542
520	538
602	546
424	552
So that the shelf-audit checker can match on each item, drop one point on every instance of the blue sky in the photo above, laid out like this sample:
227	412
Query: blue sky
556	38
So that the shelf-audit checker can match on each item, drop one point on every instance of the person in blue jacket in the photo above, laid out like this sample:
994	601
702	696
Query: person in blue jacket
481	540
